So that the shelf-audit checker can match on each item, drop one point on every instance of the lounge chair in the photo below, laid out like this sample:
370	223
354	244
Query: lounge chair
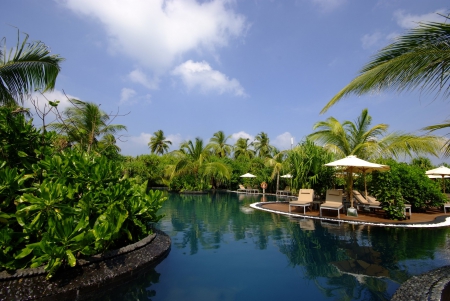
305	199
285	191
374	204
333	201
252	190
365	203
447	205
242	189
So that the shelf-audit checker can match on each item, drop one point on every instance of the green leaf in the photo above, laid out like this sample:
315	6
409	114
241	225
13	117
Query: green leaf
22	154
70	258
25	252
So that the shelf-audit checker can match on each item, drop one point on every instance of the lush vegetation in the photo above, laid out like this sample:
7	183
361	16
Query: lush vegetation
405	183
66	192
59	205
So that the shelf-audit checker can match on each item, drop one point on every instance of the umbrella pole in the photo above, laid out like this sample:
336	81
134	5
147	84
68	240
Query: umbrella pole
443	181
350	187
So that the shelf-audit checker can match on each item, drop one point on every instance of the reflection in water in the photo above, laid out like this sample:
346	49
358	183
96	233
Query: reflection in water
224	250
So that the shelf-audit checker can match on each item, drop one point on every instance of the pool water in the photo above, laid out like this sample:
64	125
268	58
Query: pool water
224	250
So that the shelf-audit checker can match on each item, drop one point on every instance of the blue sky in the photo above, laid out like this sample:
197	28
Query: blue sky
192	68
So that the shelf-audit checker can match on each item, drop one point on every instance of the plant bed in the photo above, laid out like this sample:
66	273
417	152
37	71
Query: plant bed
83	281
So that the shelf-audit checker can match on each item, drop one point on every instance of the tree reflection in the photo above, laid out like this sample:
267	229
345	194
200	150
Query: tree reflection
345	261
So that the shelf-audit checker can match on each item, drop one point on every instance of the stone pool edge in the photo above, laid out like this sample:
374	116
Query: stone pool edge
90	279
441	221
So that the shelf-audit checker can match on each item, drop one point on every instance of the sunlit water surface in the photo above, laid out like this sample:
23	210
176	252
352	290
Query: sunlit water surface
224	250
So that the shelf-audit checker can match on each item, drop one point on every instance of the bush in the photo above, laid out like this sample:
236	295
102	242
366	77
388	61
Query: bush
57	207
405	184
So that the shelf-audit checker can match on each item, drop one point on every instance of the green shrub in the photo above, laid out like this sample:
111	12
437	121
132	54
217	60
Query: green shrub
56	207
405	184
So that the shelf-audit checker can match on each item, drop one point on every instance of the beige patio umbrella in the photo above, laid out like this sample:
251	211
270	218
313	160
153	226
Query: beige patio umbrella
440	171
287	176
365	170
353	164
248	175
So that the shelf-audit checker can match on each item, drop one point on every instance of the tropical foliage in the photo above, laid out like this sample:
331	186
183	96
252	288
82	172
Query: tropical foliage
306	163
405	183
83	124
27	67
194	161
158	143
418	59
218	145
242	148
58	206
366	142
262	145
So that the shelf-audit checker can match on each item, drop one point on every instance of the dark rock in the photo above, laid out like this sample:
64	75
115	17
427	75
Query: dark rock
90	277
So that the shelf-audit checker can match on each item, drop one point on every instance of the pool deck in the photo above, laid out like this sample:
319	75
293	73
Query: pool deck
430	219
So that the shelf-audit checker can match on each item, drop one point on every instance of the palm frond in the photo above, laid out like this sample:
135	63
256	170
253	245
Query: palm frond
28	66
419	59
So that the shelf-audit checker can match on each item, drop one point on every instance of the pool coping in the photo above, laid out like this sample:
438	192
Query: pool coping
440	221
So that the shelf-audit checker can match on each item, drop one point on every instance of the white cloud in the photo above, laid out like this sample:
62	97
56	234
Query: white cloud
201	75
241	134
176	139
329	5
283	141
134	145
137	76
392	36
408	21
370	40
142	139
126	95
41	103
157	32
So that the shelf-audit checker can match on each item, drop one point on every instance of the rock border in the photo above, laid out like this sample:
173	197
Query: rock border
429	286
83	281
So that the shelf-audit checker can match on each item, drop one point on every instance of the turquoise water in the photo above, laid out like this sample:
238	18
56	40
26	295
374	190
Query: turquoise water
224	250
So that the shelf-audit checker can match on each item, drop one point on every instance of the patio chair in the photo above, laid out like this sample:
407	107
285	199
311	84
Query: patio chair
365	203
252	190
377	205
305	199
285	191
333	201
242	189
447	205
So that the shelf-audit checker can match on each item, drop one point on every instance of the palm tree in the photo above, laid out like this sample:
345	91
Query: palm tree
367	142
218	144
419	59
158	143
107	146
262	145
307	166
276	162
84	123
242	148
193	158
26	68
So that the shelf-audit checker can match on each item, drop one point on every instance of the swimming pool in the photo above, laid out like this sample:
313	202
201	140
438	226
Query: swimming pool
224	250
